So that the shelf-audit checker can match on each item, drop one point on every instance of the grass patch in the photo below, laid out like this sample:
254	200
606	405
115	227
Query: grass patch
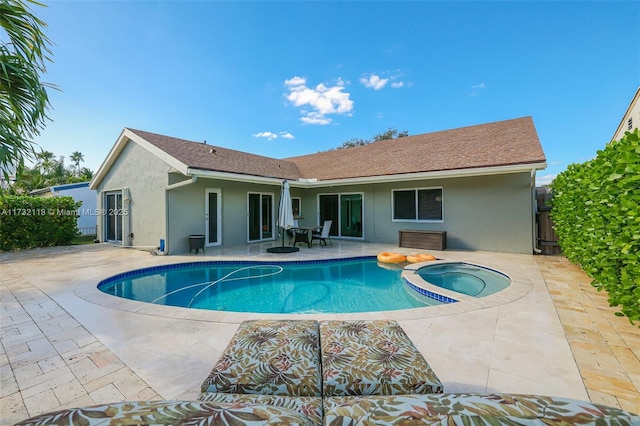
84	239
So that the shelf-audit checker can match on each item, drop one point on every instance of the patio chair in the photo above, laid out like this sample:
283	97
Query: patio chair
292	231
323	235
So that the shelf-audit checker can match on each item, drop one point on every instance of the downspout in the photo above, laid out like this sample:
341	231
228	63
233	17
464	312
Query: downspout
534	211
168	188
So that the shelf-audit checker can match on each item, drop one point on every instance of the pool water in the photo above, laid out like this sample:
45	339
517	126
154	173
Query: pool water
464	278
337	286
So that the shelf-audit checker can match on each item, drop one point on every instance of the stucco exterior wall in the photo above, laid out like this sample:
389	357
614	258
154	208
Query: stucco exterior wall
491	213
144	178
187	210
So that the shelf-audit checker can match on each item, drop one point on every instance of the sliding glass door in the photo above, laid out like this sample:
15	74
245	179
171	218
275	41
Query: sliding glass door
345	211
113	217
261	223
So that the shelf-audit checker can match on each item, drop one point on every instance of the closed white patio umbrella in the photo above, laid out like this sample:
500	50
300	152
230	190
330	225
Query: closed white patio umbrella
285	219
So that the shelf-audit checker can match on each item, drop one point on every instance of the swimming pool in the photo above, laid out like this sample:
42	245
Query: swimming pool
326	286
465	278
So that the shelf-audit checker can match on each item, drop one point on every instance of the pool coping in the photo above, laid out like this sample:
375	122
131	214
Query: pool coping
520	286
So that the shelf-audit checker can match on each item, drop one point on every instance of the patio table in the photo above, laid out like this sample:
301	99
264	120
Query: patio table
303	234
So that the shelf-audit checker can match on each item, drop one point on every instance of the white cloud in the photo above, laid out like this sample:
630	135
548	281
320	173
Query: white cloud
295	81
267	135
374	82
545	180
271	136
476	87
377	82
286	135
315	118
322	100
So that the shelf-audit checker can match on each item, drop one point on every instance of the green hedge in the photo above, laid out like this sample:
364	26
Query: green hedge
596	211
27	222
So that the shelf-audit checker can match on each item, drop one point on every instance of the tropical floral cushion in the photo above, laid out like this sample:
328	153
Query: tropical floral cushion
470	409
270	357
308	406
373	357
172	413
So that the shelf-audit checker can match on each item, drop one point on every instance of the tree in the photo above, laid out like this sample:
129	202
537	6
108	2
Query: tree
23	97
48	171
390	133
77	158
43	160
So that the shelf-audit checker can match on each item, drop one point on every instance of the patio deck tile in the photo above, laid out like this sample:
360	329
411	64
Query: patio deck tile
66	344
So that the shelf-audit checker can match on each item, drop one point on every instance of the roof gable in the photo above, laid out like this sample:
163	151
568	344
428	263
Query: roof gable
197	155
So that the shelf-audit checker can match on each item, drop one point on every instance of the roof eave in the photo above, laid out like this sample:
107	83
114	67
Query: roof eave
316	183
440	174
212	174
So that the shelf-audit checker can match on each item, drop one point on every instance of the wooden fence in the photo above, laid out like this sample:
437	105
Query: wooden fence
547	241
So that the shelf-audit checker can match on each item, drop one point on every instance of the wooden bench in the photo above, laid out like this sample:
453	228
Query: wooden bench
413	238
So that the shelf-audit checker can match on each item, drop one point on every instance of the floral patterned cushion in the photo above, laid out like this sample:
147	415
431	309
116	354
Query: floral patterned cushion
270	357
172	413
470	409
308	406
372	358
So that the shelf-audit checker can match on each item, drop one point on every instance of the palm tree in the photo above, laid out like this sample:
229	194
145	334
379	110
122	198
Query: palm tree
44	161
23	97
77	158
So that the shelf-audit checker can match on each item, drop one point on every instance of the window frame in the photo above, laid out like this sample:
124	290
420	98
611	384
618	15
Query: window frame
416	200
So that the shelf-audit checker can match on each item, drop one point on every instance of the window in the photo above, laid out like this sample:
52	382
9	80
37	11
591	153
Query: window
630	124
295	206
418	204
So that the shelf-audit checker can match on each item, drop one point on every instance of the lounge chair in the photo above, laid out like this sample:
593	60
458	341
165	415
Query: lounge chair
301	372
323	235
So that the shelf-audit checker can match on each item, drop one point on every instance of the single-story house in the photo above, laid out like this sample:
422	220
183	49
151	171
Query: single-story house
87	213
475	183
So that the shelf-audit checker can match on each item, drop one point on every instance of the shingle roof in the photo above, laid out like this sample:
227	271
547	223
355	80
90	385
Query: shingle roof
198	155
502	143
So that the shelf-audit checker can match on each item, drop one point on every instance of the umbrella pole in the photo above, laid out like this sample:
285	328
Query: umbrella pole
283	248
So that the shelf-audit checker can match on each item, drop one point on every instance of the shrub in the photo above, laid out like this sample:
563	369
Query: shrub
27	222
596	211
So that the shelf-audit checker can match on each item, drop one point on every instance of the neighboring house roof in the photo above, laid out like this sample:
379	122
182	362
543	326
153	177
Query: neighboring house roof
485	148
58	188
627	118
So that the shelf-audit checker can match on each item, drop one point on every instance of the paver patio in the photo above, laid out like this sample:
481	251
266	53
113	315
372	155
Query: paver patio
65	344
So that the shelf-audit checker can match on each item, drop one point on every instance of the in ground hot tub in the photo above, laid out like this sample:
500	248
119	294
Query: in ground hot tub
465	278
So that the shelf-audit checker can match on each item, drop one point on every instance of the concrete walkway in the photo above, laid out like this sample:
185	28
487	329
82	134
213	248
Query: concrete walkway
66	344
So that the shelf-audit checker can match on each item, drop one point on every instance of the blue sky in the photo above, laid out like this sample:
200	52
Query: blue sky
292	78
